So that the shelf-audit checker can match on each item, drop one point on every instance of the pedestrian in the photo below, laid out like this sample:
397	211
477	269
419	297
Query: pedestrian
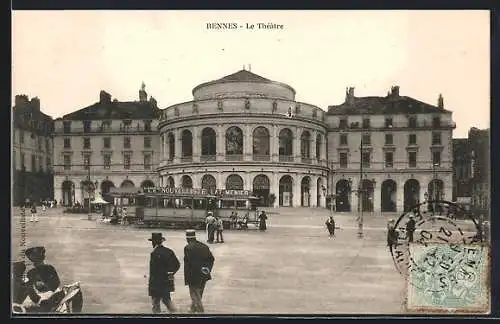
34	216
219	228
233	219
198	264
163	264
262	221
392	234
20	290
410	228
330	225
55	202
211	227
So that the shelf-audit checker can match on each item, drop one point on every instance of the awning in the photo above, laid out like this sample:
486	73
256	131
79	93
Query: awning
125	191
98	200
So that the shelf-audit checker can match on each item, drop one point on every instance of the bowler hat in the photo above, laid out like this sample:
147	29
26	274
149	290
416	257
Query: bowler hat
35	254
190	233
156	237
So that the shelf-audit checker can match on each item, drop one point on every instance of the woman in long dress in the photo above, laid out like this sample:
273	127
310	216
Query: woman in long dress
262	221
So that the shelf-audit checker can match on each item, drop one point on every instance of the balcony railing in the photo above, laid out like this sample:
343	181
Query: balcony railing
286	158
107	129
306	160
186	159
234	157
261	157
208	158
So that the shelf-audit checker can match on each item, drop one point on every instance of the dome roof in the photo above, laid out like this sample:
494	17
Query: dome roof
242	76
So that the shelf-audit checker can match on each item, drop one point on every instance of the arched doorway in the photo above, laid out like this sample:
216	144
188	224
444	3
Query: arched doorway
261	187
286	145
234	143
305	194
186	182
208	144
319	192
187	145
147	184
68	193
367	195
342	196
127	184
209	183
234	182
171	146
388	196
286	190
106	186
411	194
261	144
170	182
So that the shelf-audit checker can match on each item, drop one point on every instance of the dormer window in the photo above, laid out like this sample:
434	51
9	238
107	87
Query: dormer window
126	124
412	122
366	122
343	123
147	125
105	125
388	122
87	126
436	122
67	127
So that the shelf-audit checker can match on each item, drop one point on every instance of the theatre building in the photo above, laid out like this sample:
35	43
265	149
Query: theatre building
389	153
245	132
105	145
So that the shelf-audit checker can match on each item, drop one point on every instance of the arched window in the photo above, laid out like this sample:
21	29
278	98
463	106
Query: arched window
187	182
234	182
208	182
319	142
261	144
208	143
234	143
187	144
305	144
286	145
171	146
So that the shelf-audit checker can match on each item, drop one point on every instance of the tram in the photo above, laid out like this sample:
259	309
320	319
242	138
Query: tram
240	203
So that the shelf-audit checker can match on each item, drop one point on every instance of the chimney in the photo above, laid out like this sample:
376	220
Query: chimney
21	100
395	91
35	103
143	95
104	97
349	94
440	101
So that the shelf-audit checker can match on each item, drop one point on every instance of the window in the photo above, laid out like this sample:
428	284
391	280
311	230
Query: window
86	126
105	125
40	143
48	162
412	139
436	138
343	160
66	127
40	163
147	161
365	159
343	139
147	125
412	159
388	139
21	136
33	163
86	161
126	161
23	161
343	123
388	122
106	142
412	122
67	143
107	161
67	162
47	145
147	142
389	157
127	124
366	122
126	142
86	143
436	122
436	158
366	139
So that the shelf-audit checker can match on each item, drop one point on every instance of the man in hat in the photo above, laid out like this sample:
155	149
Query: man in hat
410	228
163	265
198	264
43	279
211	226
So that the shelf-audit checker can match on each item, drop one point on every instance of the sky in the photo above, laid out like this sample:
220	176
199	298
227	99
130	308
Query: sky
67	57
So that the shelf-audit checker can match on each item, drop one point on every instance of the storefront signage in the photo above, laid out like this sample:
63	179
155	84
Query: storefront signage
196	191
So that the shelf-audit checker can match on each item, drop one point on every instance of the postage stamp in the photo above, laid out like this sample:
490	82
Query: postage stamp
451	278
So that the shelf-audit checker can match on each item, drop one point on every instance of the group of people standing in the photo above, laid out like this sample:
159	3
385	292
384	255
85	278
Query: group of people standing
163	265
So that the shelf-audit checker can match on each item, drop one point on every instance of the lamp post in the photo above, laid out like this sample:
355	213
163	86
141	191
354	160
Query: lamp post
435	194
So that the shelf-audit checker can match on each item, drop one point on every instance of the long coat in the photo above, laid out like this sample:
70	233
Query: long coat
162	261
196	256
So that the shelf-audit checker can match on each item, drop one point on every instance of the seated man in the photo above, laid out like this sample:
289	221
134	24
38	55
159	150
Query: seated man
43	283
243	224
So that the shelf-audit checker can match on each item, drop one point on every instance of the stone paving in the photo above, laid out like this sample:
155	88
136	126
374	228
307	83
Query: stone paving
293	268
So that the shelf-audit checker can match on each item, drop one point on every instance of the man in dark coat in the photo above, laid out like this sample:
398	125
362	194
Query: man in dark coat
262	221
163	265
392	233
198	264
410	228
20	290
330	225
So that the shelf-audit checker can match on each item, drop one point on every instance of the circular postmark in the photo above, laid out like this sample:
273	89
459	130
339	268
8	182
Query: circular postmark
430	222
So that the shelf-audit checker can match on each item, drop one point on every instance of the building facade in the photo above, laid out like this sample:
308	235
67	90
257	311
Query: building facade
245	132
388	153
108	144
31	151
462	171
479	141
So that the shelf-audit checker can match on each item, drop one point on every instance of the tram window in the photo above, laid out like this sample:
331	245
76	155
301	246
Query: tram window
169	203
200	204
186	203
227	204
241	204
141	201
125	201
151	202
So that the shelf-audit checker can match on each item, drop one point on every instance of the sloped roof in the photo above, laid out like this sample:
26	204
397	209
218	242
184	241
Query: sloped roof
28	117
390	105
116	110
242	76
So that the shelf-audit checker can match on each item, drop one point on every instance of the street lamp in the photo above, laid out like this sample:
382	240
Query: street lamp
91	188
